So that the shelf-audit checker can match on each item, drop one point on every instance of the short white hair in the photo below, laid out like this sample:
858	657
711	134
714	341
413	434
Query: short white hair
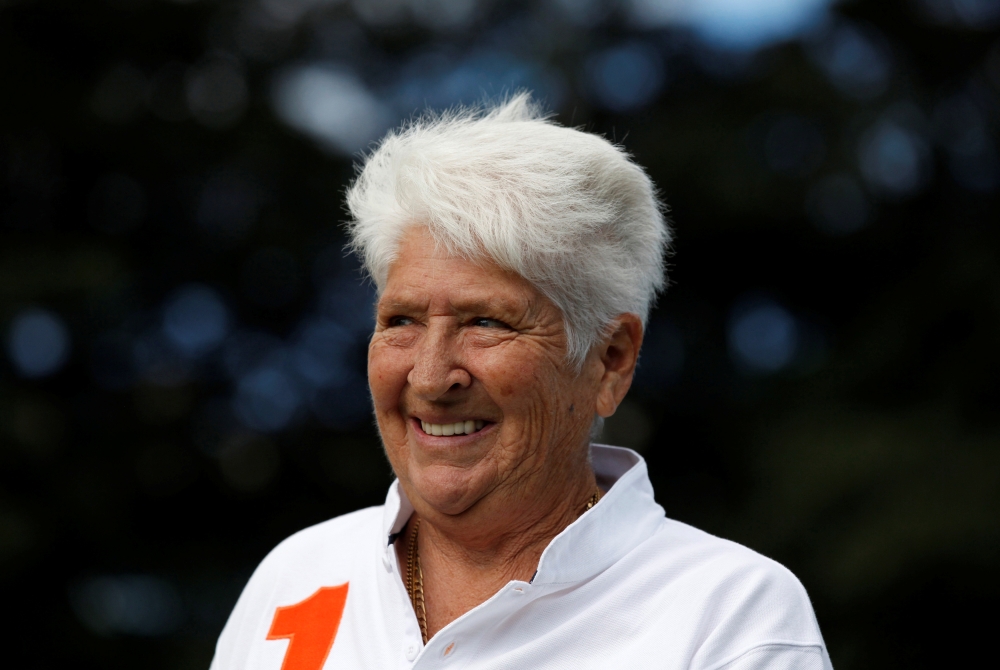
567	210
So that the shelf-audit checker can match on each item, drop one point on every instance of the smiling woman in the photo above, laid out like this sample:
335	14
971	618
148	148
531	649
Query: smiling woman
516	262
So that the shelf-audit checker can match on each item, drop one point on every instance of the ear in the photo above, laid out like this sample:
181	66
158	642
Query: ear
618	355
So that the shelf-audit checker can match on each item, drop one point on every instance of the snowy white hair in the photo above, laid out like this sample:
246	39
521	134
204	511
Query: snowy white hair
566	210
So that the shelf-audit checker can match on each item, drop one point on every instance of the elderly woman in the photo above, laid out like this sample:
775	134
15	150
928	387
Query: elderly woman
516	262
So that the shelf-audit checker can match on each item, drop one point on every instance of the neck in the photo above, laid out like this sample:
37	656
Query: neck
512	544
467	558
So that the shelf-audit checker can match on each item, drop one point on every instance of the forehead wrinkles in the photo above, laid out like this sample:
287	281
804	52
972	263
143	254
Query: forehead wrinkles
480	295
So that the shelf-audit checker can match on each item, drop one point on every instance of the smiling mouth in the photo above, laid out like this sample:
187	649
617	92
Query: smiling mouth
449	429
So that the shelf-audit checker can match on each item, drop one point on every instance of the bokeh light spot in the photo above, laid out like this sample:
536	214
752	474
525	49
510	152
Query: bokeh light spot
439	79
331	105
763	336
733	24
893	159
37	343
267	399
625	77
195	319
320	352
855	58
216	91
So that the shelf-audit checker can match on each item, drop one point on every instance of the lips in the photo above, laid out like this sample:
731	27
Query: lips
465	427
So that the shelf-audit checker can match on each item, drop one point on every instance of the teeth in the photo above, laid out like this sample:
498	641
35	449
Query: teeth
448	429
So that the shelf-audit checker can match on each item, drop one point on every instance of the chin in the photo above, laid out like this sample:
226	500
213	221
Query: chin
448	489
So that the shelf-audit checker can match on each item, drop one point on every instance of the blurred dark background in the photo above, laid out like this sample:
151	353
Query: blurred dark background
183	336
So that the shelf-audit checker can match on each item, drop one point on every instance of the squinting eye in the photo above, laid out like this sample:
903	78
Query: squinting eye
400	321
483	322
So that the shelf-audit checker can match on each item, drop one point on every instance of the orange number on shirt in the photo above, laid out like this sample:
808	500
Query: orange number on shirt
310	627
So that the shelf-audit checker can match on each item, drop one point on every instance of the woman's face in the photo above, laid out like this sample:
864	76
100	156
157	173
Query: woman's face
468	373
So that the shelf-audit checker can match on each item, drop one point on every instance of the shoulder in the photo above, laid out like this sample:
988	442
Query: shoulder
741	599
330	553
718	563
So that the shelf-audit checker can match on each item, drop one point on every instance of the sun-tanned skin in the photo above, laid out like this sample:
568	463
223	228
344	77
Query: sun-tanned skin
457	340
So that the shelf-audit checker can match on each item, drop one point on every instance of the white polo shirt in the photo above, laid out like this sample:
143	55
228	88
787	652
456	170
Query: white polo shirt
621	587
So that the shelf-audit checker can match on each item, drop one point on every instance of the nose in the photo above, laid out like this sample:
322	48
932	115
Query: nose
437	367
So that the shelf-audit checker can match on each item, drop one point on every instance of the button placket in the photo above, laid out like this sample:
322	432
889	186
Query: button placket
412	645
411	652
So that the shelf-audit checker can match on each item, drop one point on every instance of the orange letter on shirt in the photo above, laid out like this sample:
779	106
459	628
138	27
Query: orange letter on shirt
310	627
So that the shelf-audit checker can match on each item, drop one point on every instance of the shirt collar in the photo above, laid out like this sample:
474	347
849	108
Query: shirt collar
626	516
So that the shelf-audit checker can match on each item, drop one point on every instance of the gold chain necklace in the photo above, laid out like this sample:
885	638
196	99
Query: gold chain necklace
415	576
415	581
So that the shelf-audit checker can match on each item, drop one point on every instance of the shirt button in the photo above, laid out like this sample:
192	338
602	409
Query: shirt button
411	652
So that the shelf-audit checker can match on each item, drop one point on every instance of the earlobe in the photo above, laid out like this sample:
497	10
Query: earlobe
606	404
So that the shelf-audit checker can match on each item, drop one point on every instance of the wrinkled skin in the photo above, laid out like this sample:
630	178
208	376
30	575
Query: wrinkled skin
457	340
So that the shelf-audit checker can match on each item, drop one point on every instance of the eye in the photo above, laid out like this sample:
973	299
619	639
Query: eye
399	321
486	322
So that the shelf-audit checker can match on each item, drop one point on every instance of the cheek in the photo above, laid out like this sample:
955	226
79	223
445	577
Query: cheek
387	371
520	384
546	397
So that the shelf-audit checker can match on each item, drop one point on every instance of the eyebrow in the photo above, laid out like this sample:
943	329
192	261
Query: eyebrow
470	306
